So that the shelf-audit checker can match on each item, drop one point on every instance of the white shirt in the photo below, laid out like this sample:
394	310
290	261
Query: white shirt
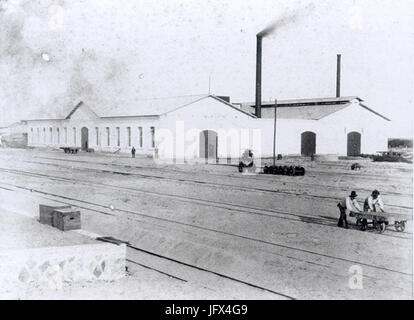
374	202
350	204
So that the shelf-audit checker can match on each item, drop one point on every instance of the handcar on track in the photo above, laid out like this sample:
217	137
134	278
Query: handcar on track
380	220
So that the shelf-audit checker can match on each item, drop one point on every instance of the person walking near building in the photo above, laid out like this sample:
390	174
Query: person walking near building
133	152
346	205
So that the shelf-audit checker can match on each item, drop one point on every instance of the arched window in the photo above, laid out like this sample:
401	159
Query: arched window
140	142
208	144
108	136
152	137
97	135
128	129
353	144
118	136
308	143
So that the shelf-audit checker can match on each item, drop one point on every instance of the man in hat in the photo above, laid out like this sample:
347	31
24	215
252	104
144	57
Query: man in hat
346	205
373	203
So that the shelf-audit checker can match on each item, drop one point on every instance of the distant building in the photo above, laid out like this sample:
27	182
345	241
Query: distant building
177	127
207	126
342	126
14	135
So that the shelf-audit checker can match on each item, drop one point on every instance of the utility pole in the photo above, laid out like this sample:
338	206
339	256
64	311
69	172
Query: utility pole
209	83
338	76
274	136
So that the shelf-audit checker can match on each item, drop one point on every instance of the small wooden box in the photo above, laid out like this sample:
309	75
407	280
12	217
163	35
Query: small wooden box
46	213
66	219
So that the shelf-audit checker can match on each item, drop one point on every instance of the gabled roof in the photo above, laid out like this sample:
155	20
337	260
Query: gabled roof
378	114
74	109
329	100
306	109
145	107
148	107
158	106
309	112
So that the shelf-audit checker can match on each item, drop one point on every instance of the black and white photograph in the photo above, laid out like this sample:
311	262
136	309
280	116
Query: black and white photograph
206	150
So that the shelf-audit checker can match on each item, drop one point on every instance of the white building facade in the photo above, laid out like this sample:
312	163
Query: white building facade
338	126
186	127
206	126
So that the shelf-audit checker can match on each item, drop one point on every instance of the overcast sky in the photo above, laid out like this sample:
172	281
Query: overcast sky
115	52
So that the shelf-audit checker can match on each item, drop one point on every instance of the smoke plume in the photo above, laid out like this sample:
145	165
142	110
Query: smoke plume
285	20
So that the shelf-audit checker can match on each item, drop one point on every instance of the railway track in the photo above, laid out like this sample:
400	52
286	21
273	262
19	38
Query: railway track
156	270
135	213
321	171
219	274
68	200
255	211
231	186
238	176
170	275
102	209
202	270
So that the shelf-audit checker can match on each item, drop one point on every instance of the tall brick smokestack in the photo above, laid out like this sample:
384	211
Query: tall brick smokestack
338	75
259	76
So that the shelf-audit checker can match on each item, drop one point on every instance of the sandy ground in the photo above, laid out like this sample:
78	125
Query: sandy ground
21	232
220	232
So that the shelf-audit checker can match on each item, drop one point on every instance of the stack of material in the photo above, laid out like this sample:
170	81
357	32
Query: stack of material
66	219
62	217
46	213
284	170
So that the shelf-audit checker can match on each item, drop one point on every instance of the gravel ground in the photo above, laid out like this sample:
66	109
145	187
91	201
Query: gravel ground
22	232
206	216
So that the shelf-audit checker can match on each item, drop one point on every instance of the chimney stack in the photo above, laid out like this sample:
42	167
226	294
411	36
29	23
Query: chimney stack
338	76
259	77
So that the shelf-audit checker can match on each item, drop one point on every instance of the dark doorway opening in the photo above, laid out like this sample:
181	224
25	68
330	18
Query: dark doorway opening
25	139
354	144
84	138
308	143
208	144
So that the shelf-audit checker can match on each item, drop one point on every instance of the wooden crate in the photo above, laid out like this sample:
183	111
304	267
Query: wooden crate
46	213
66	219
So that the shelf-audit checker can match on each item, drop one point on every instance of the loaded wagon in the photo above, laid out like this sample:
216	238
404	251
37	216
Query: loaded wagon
380	220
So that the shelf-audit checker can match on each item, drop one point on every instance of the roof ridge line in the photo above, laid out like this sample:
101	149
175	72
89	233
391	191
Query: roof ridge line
302	100
170	97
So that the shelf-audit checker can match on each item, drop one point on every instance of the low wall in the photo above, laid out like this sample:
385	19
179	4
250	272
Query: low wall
51	266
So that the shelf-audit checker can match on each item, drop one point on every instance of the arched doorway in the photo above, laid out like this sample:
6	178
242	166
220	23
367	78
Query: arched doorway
308	143
354	144
208	144
84	138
